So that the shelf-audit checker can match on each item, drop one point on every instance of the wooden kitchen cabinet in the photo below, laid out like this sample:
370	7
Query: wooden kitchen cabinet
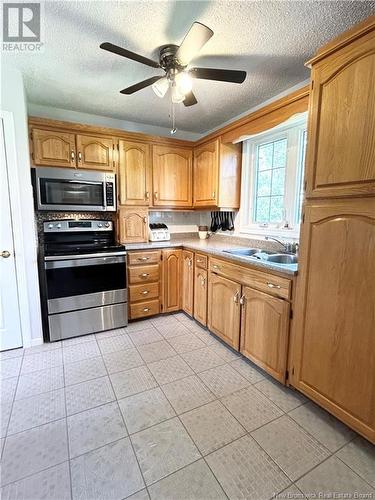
132	225
224	310
265	331
217	175
95	153
187	299
200	295
171	282
172	176
134	175
340	157
53	148
334	338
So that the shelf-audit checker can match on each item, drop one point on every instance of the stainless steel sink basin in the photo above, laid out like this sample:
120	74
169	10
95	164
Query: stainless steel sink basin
244	252
282	258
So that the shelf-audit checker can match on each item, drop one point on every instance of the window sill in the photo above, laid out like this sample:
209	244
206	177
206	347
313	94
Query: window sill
271	231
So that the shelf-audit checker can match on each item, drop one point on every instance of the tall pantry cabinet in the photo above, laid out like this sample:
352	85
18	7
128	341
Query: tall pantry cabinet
333	349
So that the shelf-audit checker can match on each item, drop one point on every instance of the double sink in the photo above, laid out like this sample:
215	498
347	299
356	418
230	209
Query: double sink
265	255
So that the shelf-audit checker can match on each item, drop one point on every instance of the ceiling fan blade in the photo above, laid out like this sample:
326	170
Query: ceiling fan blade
140	85
190	99
115	49
196	37
221	75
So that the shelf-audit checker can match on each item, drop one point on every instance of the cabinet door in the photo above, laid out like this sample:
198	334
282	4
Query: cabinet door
341	148
171	280
53	149
206	171
200	295
133	226
188	282
95	153
172	176
224	311
134	173
335	316
264	331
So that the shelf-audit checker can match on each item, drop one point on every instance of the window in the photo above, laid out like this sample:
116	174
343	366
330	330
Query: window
272	184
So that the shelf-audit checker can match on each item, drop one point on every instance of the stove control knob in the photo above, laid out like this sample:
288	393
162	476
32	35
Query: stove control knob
50	226
100	224
107	224
58	226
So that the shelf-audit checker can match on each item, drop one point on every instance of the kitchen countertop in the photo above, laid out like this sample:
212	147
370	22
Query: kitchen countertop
217	248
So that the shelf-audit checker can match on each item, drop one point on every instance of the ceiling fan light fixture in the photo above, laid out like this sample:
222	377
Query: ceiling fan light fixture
161	87
177	95
184	82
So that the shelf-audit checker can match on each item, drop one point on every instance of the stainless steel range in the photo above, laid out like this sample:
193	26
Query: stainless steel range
83	278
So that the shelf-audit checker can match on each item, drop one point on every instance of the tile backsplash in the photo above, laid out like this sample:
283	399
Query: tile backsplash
181	222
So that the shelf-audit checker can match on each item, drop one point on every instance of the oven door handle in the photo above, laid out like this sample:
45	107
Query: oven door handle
84	256
82	262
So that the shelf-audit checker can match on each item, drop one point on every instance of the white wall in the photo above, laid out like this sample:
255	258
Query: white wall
103	121
13	100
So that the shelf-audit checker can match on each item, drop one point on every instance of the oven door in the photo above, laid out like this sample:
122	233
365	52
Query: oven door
75	283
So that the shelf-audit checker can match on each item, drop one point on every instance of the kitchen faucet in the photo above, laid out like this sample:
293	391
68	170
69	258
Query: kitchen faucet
290	247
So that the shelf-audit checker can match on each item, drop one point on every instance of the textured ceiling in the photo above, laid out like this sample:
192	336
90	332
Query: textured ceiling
270	40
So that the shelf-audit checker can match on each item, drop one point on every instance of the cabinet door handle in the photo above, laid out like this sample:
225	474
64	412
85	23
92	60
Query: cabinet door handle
145	219
213	195
145	292
203	282
147	195
146	309
144	275
143	258
272	285
155	195
79	156
72	155
236	297
243	300
190	262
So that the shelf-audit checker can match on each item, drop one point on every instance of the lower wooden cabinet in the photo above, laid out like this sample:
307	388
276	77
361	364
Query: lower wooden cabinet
171	282
144	309
187	279
224	311
200	295
264	331
133	225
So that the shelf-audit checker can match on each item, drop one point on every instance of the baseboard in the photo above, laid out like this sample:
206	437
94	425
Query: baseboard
37	341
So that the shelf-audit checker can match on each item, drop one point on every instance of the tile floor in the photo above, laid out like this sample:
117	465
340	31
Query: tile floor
163	410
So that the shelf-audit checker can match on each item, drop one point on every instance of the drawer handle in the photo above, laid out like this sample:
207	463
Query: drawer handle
144	275
143	258
199	261
145	292
216	267
272	285
146	309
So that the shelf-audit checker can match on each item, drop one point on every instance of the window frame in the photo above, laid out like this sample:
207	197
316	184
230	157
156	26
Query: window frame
294	132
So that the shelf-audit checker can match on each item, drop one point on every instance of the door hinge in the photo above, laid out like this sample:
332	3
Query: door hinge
161	307
286	375
303	217
31	135
161	256
291	314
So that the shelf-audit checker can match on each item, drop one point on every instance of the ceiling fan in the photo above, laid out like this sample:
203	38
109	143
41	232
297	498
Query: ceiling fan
174	60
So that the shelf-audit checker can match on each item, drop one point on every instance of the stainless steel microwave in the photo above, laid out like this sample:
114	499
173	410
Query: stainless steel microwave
67	189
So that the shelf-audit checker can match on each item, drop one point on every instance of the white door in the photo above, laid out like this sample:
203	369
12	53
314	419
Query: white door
10	324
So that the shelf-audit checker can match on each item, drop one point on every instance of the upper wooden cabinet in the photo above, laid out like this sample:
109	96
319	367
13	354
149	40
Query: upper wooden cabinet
95	153
341	147
171	283
334	341
172	176
60	149
265	331
217	175
134	173
50	148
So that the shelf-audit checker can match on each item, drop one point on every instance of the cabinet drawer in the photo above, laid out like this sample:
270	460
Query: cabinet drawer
137	258
269	283
143	274
147	308
201	260
143	292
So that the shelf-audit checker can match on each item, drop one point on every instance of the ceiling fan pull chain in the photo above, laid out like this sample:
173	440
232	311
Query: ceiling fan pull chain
173	115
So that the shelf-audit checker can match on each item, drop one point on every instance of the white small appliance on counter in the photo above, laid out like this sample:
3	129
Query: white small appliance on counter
158	232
